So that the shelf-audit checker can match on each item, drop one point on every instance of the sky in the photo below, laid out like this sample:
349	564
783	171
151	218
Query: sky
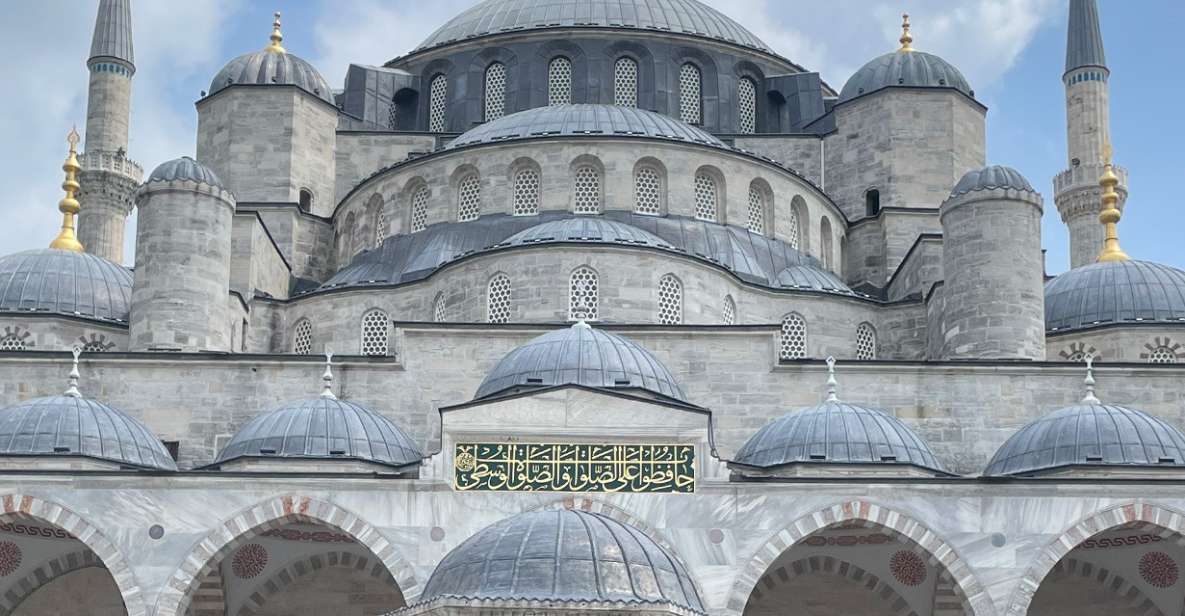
1011	51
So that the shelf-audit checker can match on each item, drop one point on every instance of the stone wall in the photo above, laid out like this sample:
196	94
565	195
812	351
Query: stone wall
256	263
1122	343
921	268
802	153
61	333
360	154
305	241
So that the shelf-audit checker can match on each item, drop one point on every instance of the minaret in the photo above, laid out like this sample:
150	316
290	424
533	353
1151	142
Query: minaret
1076	190
108	177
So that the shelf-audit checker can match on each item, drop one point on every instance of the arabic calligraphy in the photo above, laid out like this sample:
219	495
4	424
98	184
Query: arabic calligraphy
583	467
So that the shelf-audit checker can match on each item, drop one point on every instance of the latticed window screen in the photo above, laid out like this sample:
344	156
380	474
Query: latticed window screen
559	81
583	294
865	342
728	315
586	190
375	328
705	197
793	342
625	82
746	106
419	209
392	116
526	192
1076	356
498	299
647	192
12	343
795	231
380	226
469	198
1162	355
437	101
670	300
689	94
495	91
95	346
756	210
438	308
302	338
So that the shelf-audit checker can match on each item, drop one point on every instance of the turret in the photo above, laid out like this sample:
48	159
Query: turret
108	177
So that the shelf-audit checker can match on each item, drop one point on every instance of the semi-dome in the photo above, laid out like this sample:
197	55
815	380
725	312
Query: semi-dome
669	16
835	432
184	169
585	229
63	282
1090	434
910	69
563	556
583	120
581	355
1115	292
322	428
991	178
265	67
69	426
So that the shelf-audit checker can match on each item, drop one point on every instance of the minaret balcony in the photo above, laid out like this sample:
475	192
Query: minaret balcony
1085	174
115	162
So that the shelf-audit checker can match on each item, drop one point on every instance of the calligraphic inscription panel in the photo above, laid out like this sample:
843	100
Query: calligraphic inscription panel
582	467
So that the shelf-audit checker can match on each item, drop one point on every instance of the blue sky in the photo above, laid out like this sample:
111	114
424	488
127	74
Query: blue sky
1012	51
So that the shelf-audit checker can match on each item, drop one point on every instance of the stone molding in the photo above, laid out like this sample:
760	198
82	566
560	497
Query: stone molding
994	194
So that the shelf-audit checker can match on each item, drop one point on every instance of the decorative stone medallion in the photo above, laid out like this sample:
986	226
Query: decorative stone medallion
10	558
1159	569
249	561
908	568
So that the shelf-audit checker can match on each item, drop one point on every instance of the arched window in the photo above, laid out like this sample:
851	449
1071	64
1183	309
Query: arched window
306	200
757	209
825	245
647	191
380	227
1162	354
392	115
438	308
302	337
498	299
495	91
670	300
437	102
559	81
526	192
586	190
351	236
706	198
97	346
689	94
583	294
419	209
865	342
795	230
746	106
243	337
793	341
12	342
872	202
728	314
469	198
375	331
625	82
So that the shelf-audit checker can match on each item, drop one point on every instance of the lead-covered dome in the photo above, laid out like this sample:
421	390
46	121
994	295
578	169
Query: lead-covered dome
908	69
563	556
666	16
584	120
63	282
265	67
992	177
581	355
585	229
184	169
1115	292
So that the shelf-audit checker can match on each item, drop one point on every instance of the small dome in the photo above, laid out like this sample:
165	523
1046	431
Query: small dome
991	178
582	120
64	282
1090	435
1115	292
184	168
265	67
581	355
563	555
910	69
323	429
837	433
585	229
70	426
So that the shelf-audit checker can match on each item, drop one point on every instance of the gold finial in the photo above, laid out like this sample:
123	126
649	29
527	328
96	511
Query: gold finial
277	37
906	38
1110	215
68	206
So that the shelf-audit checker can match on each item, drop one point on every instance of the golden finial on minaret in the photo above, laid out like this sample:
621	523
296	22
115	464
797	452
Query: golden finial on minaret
68	206
906	38
1110	214
277	37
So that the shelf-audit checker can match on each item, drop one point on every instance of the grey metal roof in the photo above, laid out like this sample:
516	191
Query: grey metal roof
567	556
184	168
916	69
1125	292
677	16
837	433
1090	434
113	31
1084	39
70	426
267	68
63	282
322	428
583	119
581	355
750	256
989	178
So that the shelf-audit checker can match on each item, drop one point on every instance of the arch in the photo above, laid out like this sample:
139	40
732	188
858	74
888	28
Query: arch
746	106
709	84
865	341
584	294
374	333
905	528
650	187
95	343
494	91
16	338
761	207
302	337
350	238
872	202
48	572
467	183
272	513
644	76
559	81
578	77
437	102
709	191
792	341
373	214
305	199
625	82
843	568
1107	579
587	184
797	235
293	571
416	195
1162	350
826	244
23	505
526	181
691	94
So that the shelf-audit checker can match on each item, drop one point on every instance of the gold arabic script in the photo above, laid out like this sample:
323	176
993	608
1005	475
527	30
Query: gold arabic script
557	467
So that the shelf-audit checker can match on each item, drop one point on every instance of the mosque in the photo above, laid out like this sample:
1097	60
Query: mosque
596	307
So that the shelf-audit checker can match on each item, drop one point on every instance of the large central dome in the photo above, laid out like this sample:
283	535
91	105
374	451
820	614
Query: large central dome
676	16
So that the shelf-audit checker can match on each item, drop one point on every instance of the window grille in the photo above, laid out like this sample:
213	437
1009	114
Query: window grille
670	300
647	192
746	106
559	81
498	299
526	192
795	231
729	313
495	91
705	197
302	339
437	94
380	227
375	331
438	308
625	82
583	295
12	342
1162	355
587	190
756	210
793	343
94	346
865	342
469	198
419	209
689	94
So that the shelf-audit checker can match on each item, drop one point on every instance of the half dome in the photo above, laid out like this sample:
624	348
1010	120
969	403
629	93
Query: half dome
584	120
63	282
563	556
265	67
907	69
991	178
585	229
184	169
1115	292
